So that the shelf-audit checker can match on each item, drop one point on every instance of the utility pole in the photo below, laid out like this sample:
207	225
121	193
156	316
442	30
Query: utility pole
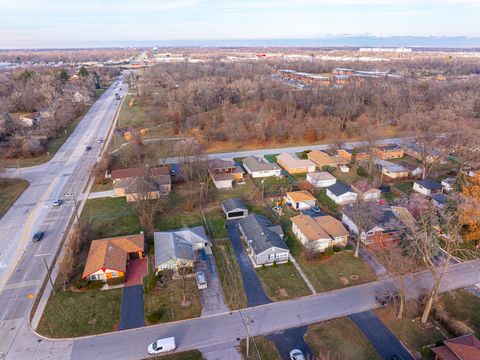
263	188
49	277
248	334
75	204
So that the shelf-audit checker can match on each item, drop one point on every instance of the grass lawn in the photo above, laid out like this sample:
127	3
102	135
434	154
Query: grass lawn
10	190
261	209
463	306
405	187
272	184
166	303
186	355
230	275
282	282
102	186
271	157
389	197
338	271
110	217
326	204
71	314
348	177
216	223
132	116
409	332
261	348
340	338
172	221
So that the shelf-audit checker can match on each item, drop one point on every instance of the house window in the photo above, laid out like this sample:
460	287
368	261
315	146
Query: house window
114	274
93	277
271	257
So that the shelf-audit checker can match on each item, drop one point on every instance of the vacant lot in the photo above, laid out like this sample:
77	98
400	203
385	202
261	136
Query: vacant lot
282	282
186	355
10	190
260	349
230	275
71	314
338	271
110	217
464	307
132	116
340	338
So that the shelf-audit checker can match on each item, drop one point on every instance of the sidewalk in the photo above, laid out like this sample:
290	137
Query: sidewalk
302	274
101	194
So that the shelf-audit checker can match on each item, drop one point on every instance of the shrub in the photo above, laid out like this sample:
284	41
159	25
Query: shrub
155	316
362	172
349	247
94	285
79	283
337	249
327	168
150	283
116	281
275	264
426	352
329	252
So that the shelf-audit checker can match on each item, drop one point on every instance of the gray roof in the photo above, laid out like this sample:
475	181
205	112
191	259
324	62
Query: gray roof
339	188
440	198
255	163
392	167
233	204
383	217
263	233
177	244
429	184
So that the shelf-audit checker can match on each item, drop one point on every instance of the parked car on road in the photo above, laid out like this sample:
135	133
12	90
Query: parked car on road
162	346
296	354
201	280
88	148
38	236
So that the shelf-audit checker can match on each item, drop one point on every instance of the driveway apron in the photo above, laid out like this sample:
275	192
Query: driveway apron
131	310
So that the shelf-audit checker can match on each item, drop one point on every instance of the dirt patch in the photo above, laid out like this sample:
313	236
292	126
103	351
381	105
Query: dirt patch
282	292
344	280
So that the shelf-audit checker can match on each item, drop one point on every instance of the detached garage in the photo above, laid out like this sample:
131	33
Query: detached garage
234	208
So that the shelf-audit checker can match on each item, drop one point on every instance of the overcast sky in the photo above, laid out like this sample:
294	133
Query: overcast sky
69	23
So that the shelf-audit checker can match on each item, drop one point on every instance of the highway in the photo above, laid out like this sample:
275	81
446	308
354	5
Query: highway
228	328
65	176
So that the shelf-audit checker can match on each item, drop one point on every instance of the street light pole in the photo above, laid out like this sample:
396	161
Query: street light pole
49	277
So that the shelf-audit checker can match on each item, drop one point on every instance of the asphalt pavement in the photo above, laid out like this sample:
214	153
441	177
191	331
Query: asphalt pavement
131	309
285	340
380	336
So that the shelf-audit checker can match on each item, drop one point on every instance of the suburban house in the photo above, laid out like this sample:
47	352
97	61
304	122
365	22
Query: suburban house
427	187
320	232
321	159
122	174
176	248
439	200
264	240
448	184
294	165
389	151
341	194
385	229
234	208
300	200
321	179
392	171
415	150
143	187
108	258
466	347
366	191
348	154
258	167
224	173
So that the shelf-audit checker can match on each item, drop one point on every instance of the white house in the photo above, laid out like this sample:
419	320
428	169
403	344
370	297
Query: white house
321	179
427	187
258	167
366	191
448	184
341	194
301	200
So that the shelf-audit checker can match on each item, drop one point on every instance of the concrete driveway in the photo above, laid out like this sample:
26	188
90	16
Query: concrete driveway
131	310
212	297
380	336
286	340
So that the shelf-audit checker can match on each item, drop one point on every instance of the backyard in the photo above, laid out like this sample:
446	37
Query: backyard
79	313
10	191
340	338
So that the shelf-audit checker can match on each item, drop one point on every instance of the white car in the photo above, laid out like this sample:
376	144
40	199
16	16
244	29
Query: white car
162	346
201	280
296	354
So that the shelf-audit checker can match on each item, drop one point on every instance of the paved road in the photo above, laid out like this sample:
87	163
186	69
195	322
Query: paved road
22	263
284	340
131	310
380	336
210	331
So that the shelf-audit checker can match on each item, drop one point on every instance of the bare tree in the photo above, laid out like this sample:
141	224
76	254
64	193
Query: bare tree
363	214
183	272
